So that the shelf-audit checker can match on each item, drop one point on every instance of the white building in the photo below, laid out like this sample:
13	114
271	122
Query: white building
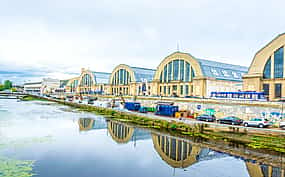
46	86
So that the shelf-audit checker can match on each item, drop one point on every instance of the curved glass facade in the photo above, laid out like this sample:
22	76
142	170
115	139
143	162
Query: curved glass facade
86	81
278	63
73	85
121	77
267	69
177	70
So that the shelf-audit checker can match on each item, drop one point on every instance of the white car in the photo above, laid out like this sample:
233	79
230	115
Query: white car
282	124
257	122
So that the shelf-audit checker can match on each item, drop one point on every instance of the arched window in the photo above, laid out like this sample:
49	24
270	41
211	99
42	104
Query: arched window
278	63
121	77
87	81
73	85
177	70
267	69
182	70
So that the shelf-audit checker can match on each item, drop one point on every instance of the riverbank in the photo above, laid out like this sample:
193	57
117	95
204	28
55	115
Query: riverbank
254	139
31	98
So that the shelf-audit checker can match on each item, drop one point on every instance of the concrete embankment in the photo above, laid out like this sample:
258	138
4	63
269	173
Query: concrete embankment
222	109
277	105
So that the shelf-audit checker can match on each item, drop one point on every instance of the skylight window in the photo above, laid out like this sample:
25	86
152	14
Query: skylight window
214	71
235	75
225	73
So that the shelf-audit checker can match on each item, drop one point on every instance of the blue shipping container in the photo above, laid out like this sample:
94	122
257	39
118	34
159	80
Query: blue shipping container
132	106
166	110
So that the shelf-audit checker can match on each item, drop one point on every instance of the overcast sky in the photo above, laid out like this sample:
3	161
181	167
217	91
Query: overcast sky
58	37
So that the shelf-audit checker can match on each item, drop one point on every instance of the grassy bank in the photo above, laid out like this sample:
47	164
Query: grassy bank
31	98
268	142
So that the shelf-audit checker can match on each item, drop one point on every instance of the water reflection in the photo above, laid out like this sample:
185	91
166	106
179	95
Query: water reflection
86	124
122	133
262	170
98	153
181	154
174	151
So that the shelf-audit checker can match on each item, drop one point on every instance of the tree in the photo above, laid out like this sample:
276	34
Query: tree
7	84
1	87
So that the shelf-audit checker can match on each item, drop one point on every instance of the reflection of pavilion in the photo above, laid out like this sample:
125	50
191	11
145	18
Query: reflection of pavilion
181	154
259	170
122	133
86	124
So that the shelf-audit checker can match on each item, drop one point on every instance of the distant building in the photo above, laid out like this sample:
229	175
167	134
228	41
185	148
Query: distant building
46	86
128	80
89	82
61	88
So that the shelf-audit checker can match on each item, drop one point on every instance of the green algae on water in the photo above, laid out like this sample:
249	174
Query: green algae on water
15	168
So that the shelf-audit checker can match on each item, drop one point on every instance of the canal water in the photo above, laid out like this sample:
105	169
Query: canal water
50	140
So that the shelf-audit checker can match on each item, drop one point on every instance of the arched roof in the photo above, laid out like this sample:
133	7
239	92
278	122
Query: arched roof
70	81
222	71
143	74
206	68
101	77
97	77
261	56
137	74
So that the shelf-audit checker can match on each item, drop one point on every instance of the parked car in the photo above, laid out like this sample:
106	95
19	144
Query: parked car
191	97
282	124
231	120
257	122
206	117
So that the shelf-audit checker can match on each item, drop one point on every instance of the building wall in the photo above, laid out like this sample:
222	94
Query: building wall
46	86
197	85
32	88
254	80
131	86
178	86
71	86
77	86
125	88
214	85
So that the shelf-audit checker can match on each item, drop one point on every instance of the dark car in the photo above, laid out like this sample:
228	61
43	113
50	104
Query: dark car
191	97
206	117
231	120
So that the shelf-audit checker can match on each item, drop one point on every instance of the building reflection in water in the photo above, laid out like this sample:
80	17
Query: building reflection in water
176	152
122	133
262	170
86	124
179	153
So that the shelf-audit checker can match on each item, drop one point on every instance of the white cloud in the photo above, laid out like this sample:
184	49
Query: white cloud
62	36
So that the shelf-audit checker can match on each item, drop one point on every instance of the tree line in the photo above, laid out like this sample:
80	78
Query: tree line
6	85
